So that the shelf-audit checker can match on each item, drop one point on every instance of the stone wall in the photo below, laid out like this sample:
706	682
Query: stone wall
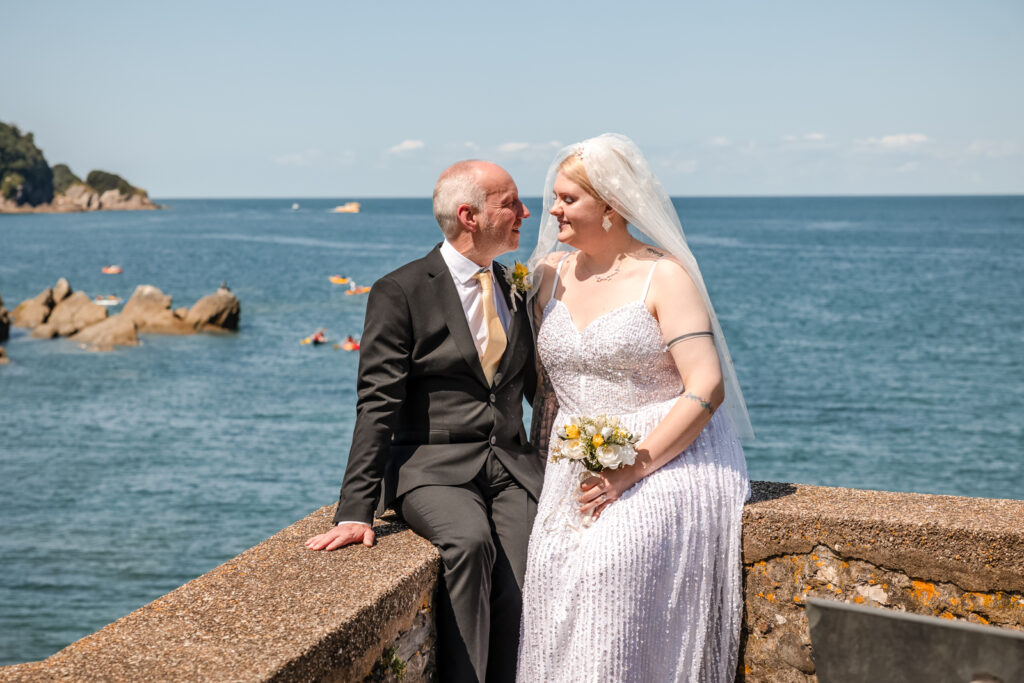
281	612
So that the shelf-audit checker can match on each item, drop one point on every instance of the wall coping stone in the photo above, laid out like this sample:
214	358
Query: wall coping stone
282	612
278	611
975	543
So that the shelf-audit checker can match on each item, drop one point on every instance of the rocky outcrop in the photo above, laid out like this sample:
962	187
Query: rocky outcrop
78	197
74	313
37	310
29	185
104	336
33	312
61	312
150	310
217	312
5	322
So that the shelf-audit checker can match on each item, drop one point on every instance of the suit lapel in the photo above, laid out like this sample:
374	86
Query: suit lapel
451	308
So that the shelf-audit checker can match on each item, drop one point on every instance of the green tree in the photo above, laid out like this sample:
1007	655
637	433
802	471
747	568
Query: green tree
101	181
25	176
63	178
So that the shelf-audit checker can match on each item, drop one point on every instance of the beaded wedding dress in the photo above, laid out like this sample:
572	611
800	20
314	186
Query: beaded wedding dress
652	590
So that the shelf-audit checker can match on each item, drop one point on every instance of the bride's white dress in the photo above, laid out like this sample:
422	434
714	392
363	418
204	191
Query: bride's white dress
652	590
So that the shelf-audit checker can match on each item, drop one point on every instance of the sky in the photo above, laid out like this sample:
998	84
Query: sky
375	98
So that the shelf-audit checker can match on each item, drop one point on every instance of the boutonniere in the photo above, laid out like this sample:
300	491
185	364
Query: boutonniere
520	281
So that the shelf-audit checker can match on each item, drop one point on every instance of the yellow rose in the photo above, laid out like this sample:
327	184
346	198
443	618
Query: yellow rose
598	440
521	270
572	431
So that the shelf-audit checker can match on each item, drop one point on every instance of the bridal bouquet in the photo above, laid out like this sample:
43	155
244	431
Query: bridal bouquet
598	443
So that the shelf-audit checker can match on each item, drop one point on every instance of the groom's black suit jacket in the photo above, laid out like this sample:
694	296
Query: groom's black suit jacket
425	414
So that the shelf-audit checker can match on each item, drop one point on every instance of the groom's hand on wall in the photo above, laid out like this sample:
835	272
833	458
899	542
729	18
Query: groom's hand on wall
342	535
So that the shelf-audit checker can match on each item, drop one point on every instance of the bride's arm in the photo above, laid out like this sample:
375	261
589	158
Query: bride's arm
545	404
677	304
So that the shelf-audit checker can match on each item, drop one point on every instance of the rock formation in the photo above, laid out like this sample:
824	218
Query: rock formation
104	336
150	310
215	312
74	313
5	322
59	311
29	185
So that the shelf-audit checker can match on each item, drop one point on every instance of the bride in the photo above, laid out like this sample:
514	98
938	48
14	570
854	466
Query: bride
632	574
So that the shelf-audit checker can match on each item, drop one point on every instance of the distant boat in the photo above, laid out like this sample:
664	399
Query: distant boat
113	270
295	206
339	280
358	290
347	207
107	300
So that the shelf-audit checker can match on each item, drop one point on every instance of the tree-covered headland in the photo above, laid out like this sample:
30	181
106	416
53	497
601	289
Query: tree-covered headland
27	180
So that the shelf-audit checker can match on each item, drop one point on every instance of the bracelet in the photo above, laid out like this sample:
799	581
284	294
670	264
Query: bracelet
703	404
691	335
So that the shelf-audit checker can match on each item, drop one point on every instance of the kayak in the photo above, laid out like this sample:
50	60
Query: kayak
339	280
358	290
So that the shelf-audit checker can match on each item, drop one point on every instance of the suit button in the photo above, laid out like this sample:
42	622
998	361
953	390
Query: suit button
497	377
493	398
494	440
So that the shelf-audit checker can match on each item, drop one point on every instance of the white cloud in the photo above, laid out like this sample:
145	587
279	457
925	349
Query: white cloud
992	149
406	146
301	159
896	141
720	141
529	148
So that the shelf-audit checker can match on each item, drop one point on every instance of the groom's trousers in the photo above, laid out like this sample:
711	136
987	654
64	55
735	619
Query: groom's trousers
481	530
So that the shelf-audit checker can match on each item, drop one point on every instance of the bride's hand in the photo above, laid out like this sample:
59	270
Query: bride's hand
601	490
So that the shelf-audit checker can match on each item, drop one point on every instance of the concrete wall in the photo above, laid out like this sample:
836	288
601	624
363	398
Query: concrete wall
280	612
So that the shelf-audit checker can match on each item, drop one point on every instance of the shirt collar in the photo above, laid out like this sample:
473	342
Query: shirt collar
462	268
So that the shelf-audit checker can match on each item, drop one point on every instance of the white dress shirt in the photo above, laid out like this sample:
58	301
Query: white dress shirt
463	270
469	290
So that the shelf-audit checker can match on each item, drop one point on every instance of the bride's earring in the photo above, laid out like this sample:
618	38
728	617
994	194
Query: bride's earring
606	224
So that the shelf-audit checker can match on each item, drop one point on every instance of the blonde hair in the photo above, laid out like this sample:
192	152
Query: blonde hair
573	169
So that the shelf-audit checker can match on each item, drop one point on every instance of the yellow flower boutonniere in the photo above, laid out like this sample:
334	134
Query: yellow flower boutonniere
520	280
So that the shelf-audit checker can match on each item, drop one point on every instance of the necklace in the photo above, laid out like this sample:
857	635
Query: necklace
611	273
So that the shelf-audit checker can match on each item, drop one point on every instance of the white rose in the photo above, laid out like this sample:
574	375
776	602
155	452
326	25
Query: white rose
589	430
574	449
606	433
608	456
627	454
561	433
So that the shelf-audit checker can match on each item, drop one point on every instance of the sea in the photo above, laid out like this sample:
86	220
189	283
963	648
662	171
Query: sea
879	342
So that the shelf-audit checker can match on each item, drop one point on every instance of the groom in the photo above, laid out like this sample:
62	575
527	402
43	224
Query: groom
444	364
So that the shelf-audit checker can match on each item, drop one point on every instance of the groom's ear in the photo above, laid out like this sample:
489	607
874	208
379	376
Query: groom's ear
467	217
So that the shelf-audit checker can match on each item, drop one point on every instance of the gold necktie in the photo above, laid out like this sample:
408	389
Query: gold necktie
496	340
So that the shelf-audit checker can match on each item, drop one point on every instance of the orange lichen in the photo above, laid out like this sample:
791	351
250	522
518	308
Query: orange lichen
946	615
924	591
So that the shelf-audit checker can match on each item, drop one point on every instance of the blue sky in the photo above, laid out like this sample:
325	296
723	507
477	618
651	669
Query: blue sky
374	98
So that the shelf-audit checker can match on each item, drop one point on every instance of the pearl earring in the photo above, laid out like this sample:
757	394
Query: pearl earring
606	224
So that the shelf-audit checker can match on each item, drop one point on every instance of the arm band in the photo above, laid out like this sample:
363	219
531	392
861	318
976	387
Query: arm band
684	337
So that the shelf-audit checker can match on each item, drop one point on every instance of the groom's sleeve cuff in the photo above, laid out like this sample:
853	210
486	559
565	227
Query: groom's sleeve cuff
351	522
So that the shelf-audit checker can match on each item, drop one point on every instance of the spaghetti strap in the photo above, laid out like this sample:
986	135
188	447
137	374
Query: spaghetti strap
647	285
558	272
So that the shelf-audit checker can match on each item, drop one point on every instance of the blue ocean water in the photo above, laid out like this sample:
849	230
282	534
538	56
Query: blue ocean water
878	342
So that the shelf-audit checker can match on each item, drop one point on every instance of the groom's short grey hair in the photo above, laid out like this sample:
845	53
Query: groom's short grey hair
458	185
